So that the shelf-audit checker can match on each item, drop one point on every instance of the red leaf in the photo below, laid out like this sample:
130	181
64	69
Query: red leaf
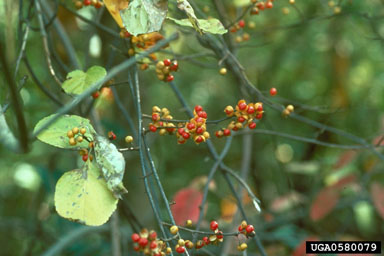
300	249
377	194
340	184
344	159
186	207
325	201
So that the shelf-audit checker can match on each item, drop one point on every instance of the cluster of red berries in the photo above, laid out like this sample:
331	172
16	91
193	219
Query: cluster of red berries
163	126
148	243
95	3
85	154
164	69
238	27
260	6
195	128
246	229
245	113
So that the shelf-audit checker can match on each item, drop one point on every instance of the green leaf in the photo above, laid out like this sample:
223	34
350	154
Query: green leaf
144	16
112	164
186	7
78	80
56	134
212	26
83	196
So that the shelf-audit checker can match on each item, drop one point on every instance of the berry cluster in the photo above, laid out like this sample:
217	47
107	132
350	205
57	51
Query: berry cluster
164	127
245	113
288	110
143	42
76	135
148	243
238	27
95	3
195	128
260	6
164	69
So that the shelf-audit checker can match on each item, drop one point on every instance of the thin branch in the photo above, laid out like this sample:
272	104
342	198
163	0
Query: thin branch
45	42
112	73
17	104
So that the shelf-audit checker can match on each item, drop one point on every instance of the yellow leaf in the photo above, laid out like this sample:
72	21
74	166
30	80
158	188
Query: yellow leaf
83	196
114	7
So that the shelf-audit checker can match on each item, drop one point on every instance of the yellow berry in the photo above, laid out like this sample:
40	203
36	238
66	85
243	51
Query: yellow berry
286	113
90	145
285	10
292	1
162	132
174	230
131	52
251	24
72	141
206	135
169	250
244	224
156	109
129	139
75	130
83	130
290	108
223	71
70	134
331	3
160	65
181	242
80	139
243	246
337	10
188	223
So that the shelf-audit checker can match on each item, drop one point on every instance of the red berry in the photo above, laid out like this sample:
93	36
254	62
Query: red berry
252	125
186	135
175	66
240	228
85	158
235	129
242	105
127	34
180	249
136	248
199	139
199	130
152	128
198	108
240	119
249	229
98	5
181	141
260	5
227	132
155	117
167	62
199	120
191	126
260	108
181	131
250	110
152	235
135	237
218	134
143	241
259	116
269	5
170	78
206	240
214	225
241	23
233	29
273	91
153	245
220	235
202	114
87	2
96	95
111	135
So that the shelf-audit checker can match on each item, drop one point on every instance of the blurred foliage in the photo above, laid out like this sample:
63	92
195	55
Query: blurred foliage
329	66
